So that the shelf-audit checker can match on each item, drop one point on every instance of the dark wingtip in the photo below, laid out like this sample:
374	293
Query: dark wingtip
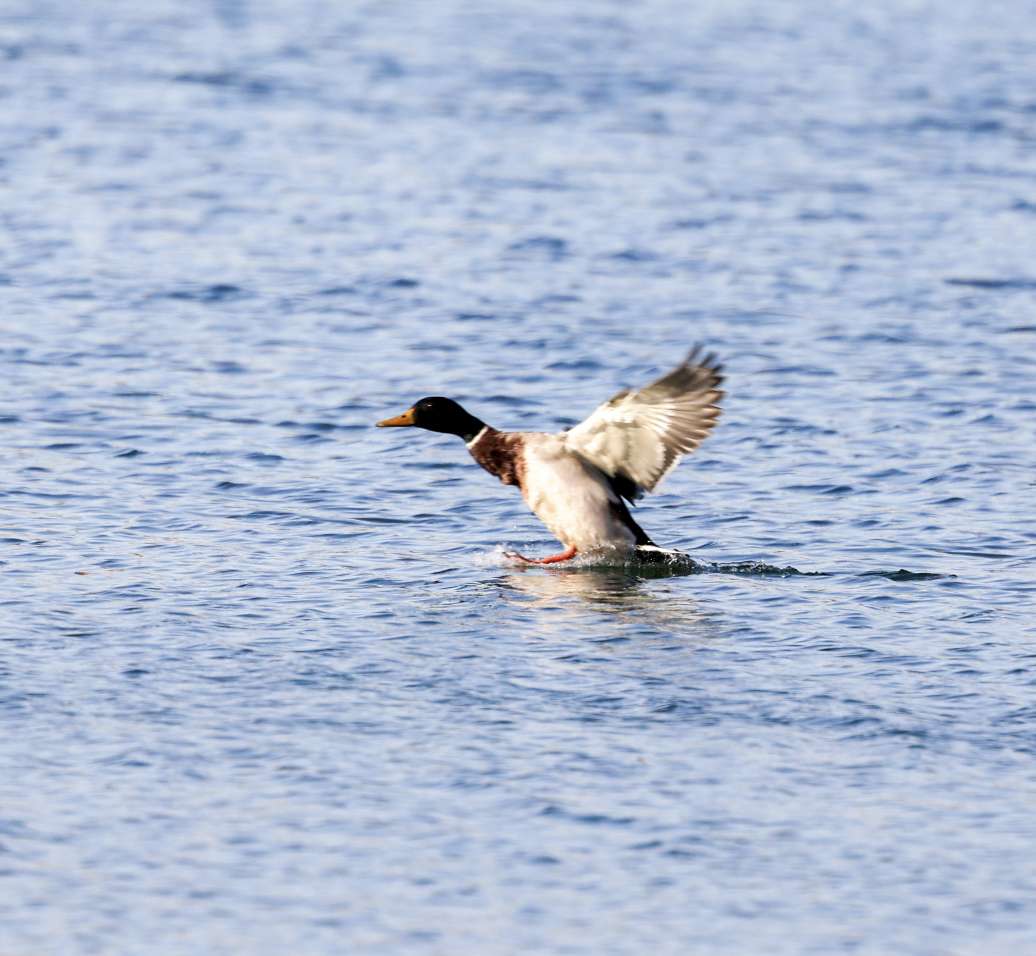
698	356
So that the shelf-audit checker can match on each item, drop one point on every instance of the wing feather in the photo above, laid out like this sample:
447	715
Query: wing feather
638	437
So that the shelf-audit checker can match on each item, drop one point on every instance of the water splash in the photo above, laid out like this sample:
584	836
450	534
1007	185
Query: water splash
654	562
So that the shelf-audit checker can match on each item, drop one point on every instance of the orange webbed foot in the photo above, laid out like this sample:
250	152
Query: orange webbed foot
551	559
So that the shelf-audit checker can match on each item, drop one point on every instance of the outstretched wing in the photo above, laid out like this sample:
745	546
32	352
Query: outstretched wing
637	438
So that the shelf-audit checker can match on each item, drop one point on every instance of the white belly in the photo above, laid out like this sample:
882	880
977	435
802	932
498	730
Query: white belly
571	497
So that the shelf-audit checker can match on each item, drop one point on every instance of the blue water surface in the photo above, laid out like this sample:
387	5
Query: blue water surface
268	684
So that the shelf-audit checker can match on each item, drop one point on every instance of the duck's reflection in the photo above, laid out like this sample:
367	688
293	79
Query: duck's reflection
625	594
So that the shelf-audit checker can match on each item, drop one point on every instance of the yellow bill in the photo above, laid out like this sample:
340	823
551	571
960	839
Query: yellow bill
407	418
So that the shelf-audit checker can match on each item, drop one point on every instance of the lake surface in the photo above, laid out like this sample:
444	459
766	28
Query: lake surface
268	684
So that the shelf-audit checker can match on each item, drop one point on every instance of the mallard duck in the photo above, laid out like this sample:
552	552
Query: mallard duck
578	482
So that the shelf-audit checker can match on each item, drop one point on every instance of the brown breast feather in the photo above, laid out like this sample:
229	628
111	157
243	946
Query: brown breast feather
500	454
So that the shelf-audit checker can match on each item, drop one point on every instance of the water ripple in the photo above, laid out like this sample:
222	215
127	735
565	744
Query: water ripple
265	673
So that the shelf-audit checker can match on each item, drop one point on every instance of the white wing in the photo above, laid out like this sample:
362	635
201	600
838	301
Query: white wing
637	438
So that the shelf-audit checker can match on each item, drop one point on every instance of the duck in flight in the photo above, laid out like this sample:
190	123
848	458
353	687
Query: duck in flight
578	482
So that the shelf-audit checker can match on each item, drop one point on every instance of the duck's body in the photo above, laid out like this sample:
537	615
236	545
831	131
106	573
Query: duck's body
572	497
577	482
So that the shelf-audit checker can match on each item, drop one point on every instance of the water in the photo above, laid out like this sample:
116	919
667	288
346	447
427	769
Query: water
267	684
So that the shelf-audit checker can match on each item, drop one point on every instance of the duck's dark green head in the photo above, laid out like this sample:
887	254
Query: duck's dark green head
437	415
